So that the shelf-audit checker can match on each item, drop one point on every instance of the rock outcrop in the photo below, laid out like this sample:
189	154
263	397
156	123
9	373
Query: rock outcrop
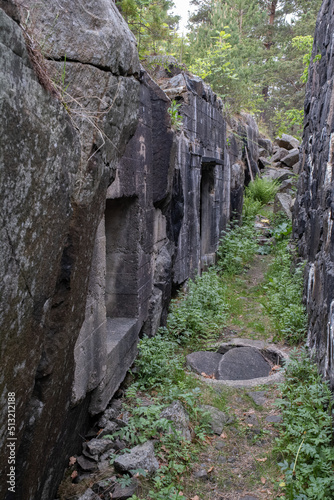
54	180
105	210
313	224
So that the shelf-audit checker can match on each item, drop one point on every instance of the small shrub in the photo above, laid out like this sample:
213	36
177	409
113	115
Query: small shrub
176	119
262	190
158	364
250	207
144	423
307	439
284	285
199	314
282	230
237	247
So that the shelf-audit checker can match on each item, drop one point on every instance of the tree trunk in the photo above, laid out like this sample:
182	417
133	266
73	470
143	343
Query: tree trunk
272	5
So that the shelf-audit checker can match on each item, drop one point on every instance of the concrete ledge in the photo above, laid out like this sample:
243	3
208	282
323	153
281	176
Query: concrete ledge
122	340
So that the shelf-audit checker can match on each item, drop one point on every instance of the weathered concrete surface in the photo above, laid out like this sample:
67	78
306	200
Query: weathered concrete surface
131	281
200	206
204	362
95	233
243	153
313	224
242	363
52	200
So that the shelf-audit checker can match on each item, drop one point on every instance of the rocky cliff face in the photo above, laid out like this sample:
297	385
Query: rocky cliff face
105	209
313	224
53	190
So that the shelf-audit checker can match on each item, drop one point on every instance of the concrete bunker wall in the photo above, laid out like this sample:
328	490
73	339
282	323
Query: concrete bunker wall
95	235
122	287
162	223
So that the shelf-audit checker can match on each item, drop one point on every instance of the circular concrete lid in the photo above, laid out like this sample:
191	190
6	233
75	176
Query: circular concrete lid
273	355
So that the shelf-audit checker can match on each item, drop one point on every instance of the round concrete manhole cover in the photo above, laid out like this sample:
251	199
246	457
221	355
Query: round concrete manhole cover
242	363
238	363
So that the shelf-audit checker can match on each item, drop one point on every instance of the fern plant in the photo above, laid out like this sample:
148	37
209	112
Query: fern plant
306	444
262	190
200	314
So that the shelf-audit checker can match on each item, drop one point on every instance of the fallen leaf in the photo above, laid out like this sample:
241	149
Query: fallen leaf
196	497
74	474
263	480
72	461
261	459
210	470
205	375
223	435
250	425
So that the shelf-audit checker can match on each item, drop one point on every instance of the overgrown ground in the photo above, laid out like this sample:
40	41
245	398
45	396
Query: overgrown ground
278	442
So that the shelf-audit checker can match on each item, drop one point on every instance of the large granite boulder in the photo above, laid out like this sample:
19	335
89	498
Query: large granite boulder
277	174
89	495
139	457
177	414
266	145
279	154
292	158
218	419
283	202
287	141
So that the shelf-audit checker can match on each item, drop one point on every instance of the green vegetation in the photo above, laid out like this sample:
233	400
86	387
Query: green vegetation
239	244
269	46
176	118
151	23
254	53
160	367
199	314
262	190
306	444
284	287
238	247
158	363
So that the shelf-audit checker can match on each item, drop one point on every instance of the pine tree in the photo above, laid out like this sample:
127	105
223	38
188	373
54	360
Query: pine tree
268	65
151	23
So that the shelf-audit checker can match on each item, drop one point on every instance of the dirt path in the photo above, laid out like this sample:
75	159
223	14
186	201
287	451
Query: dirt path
238	463
241	462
